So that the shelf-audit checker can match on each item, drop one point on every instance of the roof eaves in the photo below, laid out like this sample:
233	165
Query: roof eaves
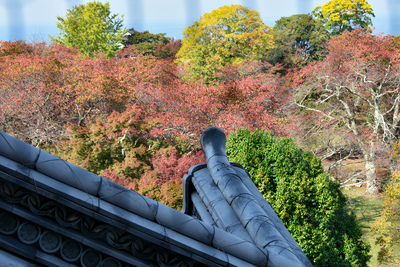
44	173
254	212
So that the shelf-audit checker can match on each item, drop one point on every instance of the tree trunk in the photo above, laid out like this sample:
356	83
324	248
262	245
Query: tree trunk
370	168
370	173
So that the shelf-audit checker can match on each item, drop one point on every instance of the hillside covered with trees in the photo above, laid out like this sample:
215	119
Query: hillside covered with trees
314	87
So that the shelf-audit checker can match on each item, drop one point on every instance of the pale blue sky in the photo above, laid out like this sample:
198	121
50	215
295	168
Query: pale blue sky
35	20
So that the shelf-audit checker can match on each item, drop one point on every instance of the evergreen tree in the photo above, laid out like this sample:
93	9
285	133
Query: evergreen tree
310	205
145	42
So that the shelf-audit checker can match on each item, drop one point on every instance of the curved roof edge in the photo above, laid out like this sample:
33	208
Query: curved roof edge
79	189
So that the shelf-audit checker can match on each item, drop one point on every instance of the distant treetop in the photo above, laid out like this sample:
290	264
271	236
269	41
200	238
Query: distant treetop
92	28
224	36
145	42
299	39
341	15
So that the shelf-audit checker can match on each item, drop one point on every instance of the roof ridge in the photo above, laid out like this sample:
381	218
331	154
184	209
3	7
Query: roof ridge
271	235
66	181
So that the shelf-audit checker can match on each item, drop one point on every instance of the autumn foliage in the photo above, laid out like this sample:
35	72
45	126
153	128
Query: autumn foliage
222	37
387	226
355	91
130	117
135	117
344	15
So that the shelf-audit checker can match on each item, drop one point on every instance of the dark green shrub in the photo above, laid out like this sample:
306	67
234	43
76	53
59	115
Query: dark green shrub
310	204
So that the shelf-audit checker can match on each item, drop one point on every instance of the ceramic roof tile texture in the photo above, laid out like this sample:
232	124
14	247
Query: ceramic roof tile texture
234	203
76	188
237	228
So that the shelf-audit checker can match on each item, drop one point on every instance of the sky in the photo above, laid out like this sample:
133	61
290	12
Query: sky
35	20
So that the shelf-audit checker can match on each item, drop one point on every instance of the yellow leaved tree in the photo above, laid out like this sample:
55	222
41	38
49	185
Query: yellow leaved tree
341	15
387	227
224	36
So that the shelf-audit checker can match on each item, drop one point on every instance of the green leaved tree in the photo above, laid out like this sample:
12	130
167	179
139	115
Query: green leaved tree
299	39
310	205
224	36
92	28
145	42
341	15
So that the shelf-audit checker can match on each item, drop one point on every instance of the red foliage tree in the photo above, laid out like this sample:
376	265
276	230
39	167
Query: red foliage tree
14	48
168	50
116	116
164	181
31	106
356	87
187	109
44	87
121	180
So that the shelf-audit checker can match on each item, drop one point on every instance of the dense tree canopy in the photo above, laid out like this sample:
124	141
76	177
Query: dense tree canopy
92	28
341	15
356	88
299	39
121	148
310	205
224	36
145	42
113	115
43	88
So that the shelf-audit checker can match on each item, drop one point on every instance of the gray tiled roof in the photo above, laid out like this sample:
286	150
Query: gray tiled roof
54	213
222	193
27	170
127	33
